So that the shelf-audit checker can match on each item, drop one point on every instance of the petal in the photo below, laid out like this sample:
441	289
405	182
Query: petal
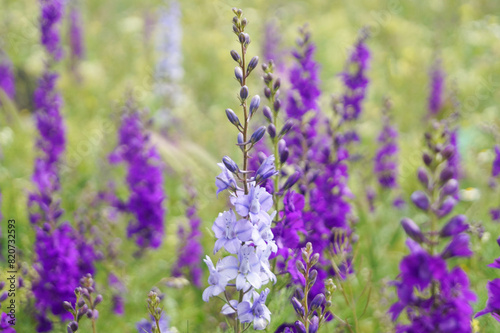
254	279
207	293
240	281
233	246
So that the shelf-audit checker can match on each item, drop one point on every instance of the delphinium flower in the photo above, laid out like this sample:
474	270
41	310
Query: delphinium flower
313	312
435	297
271	49
169	70
385	160
76	41
118	290
495	173
144	179
493	303
437	75
7	80
245	230
7	320
85	304
50	20
159	322
302	103
190	254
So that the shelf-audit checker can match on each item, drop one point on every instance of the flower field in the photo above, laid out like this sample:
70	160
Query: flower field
229	166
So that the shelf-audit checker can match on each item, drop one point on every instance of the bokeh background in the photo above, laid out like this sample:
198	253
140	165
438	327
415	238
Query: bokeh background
192	134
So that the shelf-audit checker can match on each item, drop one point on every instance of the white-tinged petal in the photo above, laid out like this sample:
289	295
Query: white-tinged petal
233	245
227	310
244	229
219	244
207	293
260	323
240	281
254	279
245	312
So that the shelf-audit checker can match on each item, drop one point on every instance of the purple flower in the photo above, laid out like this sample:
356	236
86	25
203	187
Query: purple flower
271	48
7	81
495	169
145	182
493	304
189	257
495	214
231	233
436	87
355	79
255	204
225	180
5	327
256	312
227	269
146	326
454	160
50	19
385	160
76	33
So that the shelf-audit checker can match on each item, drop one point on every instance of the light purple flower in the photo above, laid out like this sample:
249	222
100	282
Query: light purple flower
226	270
255	204
256	312
249	268
231	233
225	180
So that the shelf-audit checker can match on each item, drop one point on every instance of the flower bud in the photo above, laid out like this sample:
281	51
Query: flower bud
244	93
412	230
242	38
258	134
98	300
458	247
423	177
230	164
238	73
297	306
291	181
427	159
67	306
254	104
420	200
446	174
446	207
268	78
450	188
277	105
318	301
232	117
314	259
267	92
277	84
81	303
313	276
454	226
286	128
244	22
271	129
448	152
266	111
284	155
252	64
2	284
4	296
235	19
299	293
235	56
300	267
247	39
235	29
73	325
299	327
313	327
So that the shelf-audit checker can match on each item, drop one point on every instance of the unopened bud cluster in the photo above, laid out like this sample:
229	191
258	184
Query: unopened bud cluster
85	305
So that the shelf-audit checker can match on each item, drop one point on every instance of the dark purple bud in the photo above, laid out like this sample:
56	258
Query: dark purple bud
314	259
448	152
291	181
244	22
300	267
450	188
268	77
313	275
412	230
281	145
267	92
230	164
235	56
284	155
90	313
314	325
252	64
81	303
254	104
298	307
271	129
242	38
262	157
235	29
318	301
98	300
95	314
286	128
277	84
299	327
299	293
73	326
446	208
420	200
258	134
4	296
232	117
427	159
267	113
244	92
277	105
82	311
446	174
454	226
423	177
238	73
458	247
67	306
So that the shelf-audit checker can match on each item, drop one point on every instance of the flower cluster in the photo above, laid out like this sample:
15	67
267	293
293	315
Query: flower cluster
7	80
159	321
76	34
435	298
385	164
190	254
52	13
493	303
495	173
244	230
85	304
145	181
436	88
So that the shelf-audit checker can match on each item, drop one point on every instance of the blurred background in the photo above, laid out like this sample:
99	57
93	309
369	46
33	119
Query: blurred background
127	43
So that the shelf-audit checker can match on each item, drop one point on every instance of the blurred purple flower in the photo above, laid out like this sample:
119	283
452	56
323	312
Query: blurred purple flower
76	34
50	19
495	169
7	80
493	304
436	87
385	160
